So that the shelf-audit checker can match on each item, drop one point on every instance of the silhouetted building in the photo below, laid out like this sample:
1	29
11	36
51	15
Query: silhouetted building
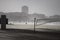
25	9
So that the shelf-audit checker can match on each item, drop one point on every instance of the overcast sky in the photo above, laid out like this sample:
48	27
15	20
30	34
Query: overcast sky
48	7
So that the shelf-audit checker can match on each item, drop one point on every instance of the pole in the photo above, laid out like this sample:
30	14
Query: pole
34	24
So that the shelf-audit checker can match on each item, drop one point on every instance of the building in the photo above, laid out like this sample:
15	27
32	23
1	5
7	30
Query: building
25	9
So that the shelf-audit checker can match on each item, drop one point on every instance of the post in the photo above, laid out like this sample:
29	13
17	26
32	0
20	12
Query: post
34	24
3	22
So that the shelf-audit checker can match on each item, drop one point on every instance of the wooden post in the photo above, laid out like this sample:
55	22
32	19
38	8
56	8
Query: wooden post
3	22
34	24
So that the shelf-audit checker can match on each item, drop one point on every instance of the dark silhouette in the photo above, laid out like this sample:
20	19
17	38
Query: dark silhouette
3	22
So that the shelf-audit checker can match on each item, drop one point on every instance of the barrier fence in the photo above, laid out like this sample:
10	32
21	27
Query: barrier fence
37	22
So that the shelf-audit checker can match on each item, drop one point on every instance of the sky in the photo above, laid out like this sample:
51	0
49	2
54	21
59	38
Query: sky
47	7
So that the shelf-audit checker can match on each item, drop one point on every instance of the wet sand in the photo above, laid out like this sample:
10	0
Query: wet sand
26	32
23	34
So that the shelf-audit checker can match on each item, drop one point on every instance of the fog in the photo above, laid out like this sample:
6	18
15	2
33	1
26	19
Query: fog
24	11
47	7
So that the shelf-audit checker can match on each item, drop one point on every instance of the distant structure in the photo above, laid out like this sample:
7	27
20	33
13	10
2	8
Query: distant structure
25	9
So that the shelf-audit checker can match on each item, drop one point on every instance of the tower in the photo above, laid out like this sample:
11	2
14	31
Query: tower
25	9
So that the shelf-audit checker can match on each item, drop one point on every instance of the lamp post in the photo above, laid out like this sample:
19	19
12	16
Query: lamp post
34	24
